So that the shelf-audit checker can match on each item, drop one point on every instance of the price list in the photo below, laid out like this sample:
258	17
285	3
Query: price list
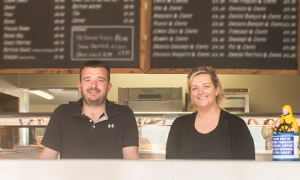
63	33
241	34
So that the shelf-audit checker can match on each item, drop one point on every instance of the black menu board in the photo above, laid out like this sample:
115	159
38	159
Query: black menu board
64	33
228	34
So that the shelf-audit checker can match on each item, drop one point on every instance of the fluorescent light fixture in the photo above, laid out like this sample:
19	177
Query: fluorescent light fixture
50	90
42	94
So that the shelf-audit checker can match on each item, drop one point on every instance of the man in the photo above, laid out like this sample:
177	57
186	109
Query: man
92	127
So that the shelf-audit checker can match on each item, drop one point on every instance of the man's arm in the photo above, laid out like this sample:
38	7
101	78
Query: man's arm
130	152
48	153
52	139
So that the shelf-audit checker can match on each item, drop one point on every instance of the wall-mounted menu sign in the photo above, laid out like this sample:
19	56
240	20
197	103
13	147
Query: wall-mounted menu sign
64	33
233	34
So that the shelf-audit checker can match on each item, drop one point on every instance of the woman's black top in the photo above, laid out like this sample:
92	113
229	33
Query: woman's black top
231	139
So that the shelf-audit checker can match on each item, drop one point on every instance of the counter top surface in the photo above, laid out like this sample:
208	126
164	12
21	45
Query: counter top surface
261	155
146	169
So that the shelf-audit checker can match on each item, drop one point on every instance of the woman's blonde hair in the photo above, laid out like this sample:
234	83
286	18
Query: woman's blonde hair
220	98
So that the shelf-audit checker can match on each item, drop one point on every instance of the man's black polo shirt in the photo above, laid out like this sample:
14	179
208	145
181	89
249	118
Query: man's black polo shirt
74	135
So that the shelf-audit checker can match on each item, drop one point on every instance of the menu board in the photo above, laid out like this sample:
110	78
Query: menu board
228	34
65	33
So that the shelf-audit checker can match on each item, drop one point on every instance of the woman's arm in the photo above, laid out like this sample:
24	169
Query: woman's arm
174	138
245	148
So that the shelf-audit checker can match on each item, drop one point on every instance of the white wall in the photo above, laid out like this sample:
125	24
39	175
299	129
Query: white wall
268	93
42	108
8	85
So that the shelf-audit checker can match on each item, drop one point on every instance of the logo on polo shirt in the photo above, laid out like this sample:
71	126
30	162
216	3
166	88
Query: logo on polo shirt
111	126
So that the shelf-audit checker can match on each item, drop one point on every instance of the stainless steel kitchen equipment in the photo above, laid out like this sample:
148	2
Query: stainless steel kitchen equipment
151	99
23	136
237	99
19	131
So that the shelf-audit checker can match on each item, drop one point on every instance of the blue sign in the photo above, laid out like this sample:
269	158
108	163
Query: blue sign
286	147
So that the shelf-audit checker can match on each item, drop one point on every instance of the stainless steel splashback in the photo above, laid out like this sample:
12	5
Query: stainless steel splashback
151	99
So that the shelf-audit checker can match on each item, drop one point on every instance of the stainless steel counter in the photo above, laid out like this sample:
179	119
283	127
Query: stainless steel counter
14	155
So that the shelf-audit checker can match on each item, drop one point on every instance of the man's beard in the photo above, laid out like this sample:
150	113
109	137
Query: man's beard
94	102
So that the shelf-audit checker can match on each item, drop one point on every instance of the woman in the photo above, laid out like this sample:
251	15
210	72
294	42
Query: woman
210	132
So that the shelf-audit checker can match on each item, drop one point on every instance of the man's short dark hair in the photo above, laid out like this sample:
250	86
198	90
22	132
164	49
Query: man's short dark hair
95	64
